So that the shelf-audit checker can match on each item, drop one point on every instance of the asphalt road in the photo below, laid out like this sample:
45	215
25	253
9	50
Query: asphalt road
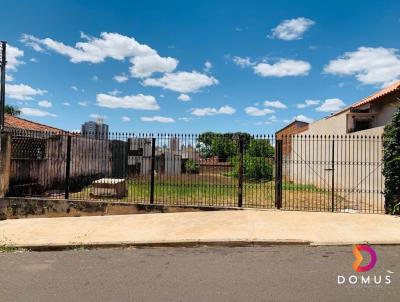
275	273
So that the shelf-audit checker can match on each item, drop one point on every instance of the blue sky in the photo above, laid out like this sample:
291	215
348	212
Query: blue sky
185	66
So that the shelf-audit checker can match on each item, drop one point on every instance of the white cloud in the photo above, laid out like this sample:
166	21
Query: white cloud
45	103
36	112
66	104
242	62
95	78
97	116
33	60
292	29
138	102
13	55
331	105
184	97
207	66
213	111
283	68
160	119
114	92
302	118
182	81
254	111
121	78
126	119
145	66
9	78
83	104
186	119
308	103
263	123
145	60
375	66
22	92
275	104
74	88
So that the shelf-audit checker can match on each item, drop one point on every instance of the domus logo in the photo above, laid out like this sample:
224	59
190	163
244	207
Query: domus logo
359	258
363	264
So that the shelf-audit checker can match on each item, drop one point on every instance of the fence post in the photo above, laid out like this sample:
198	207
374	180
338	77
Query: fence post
240	176
67	167
153	155
333	173
278	173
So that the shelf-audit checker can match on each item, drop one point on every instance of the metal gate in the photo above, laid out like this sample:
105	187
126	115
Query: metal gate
299	172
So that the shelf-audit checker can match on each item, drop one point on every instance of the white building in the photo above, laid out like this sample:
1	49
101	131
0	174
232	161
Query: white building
342	153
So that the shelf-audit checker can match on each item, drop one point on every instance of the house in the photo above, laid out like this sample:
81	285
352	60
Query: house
342	153
365	117
17	123
293	128
168	160
38	156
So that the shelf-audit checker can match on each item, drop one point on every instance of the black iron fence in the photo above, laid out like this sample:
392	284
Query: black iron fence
300	172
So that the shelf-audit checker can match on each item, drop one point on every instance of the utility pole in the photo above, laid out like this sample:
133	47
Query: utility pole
3	83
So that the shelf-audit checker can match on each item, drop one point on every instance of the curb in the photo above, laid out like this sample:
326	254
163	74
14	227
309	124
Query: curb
184	244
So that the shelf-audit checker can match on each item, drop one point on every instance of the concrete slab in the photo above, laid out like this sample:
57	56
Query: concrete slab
223	227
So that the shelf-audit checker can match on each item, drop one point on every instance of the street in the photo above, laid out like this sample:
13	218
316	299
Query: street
272	273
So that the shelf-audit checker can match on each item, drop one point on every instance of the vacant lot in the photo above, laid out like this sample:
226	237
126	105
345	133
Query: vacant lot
217	189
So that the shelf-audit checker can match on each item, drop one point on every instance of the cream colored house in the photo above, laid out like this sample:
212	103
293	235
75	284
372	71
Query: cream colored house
365	117
342	153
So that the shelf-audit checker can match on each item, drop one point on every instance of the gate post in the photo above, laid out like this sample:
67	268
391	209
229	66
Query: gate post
153	155
333	172
278	173
240	176
67	167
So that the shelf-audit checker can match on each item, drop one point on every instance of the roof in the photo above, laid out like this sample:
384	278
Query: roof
378	95
299	123
23	124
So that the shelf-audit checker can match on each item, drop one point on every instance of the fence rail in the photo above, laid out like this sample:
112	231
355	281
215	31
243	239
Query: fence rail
300	172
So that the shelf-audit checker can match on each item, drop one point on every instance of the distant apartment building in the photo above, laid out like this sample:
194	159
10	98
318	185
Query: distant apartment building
95	129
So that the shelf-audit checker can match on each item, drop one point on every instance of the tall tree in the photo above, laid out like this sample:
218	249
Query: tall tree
391	162
11	110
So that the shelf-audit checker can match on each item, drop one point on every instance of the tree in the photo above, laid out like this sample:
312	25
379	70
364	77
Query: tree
11	110
260	148
391	164
254	168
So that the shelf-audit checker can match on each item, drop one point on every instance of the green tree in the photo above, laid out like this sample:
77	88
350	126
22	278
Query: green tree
191	166
391	162
11	110
260	148
254	168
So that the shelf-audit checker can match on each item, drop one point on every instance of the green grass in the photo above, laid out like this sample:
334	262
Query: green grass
10	249
219	189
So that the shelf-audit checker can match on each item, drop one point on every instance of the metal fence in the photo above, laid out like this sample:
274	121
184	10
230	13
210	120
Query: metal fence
313	173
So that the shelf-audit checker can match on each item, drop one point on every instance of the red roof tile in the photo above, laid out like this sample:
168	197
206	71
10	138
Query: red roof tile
378	95
20	123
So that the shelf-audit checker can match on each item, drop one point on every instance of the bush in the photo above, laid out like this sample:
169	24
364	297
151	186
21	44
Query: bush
260	148
192	167
254	168
391	164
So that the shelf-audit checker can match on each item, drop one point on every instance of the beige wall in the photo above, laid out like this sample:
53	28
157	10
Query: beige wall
357	164
330	125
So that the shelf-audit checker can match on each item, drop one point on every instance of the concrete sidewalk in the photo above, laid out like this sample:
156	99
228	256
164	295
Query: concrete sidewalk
220	227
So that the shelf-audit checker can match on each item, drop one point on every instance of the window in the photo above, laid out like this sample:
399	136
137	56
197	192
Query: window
360	125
